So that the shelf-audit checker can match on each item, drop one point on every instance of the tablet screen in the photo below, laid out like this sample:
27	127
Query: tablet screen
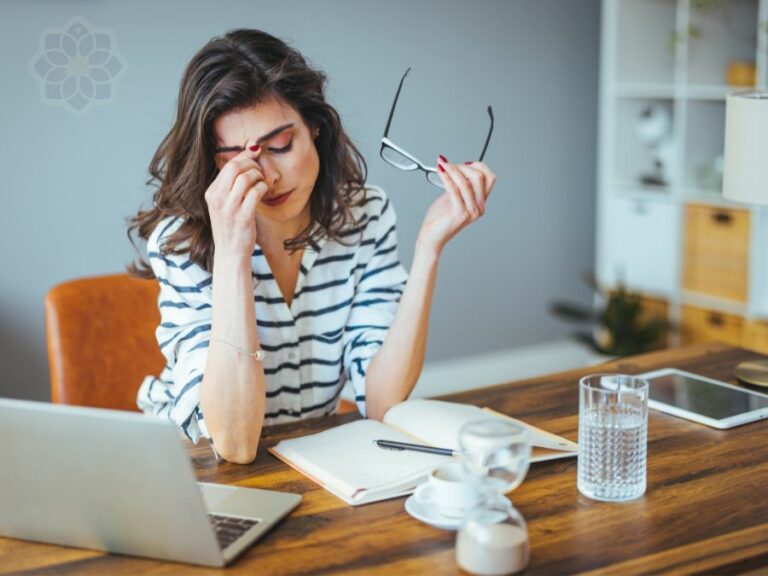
702	397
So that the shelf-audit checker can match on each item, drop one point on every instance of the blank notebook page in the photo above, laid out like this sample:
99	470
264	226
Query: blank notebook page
346	458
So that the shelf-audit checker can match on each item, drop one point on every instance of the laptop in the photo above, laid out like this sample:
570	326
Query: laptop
120	482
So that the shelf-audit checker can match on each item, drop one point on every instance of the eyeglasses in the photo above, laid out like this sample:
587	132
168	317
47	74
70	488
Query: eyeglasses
399	158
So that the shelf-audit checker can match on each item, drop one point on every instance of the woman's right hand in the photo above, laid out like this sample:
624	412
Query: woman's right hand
232	199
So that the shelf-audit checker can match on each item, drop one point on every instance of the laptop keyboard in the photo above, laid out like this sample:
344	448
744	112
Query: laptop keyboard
228	529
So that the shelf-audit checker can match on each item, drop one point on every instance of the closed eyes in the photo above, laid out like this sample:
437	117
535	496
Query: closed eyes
282	150
227	154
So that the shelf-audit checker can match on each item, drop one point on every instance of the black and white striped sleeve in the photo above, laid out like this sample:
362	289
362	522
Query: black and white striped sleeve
185	304
380	283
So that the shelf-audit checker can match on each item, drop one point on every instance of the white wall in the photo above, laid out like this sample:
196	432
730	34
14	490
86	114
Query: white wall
70	180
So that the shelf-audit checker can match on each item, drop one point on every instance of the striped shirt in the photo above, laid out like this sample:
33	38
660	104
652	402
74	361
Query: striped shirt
343	305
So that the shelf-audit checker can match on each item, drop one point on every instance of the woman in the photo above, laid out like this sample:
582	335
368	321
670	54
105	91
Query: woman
278	266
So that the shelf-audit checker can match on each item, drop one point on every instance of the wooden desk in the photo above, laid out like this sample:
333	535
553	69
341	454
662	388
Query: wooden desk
705	509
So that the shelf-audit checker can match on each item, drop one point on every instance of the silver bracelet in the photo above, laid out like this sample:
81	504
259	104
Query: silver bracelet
258	355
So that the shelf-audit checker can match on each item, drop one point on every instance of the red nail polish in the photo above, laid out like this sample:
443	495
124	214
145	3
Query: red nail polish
443	158
468	163
255	148
440	167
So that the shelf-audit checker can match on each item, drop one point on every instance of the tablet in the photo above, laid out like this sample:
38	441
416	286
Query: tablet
703	400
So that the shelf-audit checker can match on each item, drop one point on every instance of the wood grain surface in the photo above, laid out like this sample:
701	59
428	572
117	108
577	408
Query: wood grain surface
705	509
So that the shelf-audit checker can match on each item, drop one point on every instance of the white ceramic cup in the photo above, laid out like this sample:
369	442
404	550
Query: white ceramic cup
452	490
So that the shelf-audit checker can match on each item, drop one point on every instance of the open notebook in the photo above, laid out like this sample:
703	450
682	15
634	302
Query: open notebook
345	461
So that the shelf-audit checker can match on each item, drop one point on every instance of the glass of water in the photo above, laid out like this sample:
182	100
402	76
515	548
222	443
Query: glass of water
613	436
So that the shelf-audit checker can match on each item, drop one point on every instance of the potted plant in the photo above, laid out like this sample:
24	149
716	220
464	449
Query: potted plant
618	324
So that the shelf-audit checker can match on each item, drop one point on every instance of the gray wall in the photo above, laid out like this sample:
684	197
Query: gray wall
69	179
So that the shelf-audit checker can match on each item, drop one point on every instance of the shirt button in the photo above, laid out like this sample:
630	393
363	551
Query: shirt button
292	355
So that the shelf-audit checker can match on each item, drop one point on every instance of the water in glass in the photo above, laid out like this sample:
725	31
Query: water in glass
613	430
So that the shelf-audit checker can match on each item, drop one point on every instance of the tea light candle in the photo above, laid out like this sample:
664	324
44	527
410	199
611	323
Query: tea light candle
492	549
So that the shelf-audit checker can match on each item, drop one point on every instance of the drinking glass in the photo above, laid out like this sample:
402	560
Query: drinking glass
613	436
497	452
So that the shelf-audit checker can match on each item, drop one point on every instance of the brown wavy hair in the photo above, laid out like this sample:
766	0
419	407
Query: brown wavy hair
240	69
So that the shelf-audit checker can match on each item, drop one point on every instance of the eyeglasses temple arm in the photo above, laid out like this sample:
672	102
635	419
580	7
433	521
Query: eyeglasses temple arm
394	103
488	138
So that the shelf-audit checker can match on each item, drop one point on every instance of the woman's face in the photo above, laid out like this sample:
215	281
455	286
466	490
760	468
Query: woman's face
288	158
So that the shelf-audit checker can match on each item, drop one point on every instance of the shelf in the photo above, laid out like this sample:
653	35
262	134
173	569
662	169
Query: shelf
636	149
710	92
723	32
710	198
669	62
688	298
660	297
704	143
645	90
644	31
661	91
640	193
626	186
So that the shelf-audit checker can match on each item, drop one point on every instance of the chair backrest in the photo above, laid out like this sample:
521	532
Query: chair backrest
101	340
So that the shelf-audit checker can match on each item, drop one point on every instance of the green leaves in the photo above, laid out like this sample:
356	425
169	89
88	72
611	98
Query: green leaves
621	328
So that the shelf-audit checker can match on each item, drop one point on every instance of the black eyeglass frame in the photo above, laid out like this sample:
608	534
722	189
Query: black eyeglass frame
418	164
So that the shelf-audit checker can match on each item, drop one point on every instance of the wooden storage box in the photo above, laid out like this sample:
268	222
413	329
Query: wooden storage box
702	325
716	254
756	336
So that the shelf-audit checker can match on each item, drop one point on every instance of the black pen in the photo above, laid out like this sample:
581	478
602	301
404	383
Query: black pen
392	445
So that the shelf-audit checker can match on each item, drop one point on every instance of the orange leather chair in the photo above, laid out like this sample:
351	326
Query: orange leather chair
101	340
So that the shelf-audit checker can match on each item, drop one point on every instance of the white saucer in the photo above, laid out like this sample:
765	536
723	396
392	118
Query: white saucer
420	507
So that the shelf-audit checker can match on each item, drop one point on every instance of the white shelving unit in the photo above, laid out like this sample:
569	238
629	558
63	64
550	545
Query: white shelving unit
673	53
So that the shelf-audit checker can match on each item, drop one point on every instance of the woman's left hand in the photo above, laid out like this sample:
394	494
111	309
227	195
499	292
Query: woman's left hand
467	187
